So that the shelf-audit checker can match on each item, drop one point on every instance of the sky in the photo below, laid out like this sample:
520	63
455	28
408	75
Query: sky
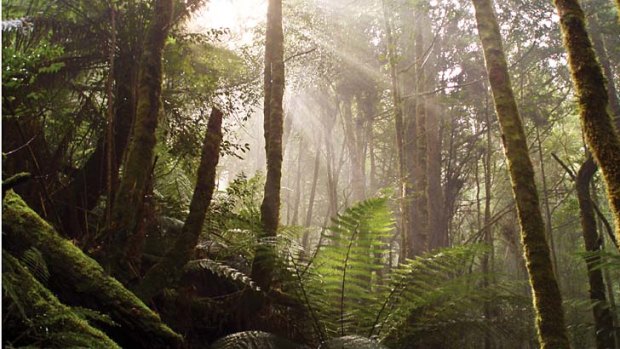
240	16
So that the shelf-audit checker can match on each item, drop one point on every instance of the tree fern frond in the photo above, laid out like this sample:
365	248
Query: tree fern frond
17	24
33	259
254	340
223	271
352	342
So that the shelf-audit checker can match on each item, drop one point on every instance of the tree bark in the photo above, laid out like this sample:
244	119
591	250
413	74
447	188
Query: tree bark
77	278
546	293
262	267
589	82
131	191
603	321
405	207
168	270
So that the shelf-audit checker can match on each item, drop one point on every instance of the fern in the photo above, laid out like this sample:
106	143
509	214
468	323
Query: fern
344	281
36	264
17	24
254	340
352	342
223	271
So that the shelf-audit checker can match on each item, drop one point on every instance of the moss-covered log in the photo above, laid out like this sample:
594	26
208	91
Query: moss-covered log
592	95
48	323
169	268
545	291
82	278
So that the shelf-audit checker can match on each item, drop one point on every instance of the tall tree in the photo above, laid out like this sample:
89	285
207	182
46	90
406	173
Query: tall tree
589	82
273	126
545	290
139	159
603	319
182	250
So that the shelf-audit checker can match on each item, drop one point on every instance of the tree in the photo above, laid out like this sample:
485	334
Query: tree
130	196
168	269
546	293
273	126
589	82
602	316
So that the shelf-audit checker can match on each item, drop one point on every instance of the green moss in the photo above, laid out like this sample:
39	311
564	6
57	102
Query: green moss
546	294
589	82
68	265
50	324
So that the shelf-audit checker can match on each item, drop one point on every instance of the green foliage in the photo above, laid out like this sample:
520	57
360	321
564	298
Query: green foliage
254	340
351	342
223	271
34	316
349	291
344	283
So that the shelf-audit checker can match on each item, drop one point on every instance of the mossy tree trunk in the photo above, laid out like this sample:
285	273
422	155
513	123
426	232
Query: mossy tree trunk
262	266
589	82
545	290
139	160
169	269
77	278
603	321
399	127
89	183
47	322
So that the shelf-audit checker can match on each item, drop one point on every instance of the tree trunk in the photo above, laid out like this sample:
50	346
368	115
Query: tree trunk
89	183
437	239
546	293
298	187
262	266
589	82
399	130
168	270
315	179
603	321
131	191
420	217
77	278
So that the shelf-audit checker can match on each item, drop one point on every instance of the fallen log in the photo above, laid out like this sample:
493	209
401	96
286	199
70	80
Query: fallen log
75	277
48	323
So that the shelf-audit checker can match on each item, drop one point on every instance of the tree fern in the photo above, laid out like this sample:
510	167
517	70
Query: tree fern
344	281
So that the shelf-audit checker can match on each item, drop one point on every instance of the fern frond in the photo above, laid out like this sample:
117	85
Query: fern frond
223	271
17	24
344	282
33	259
254	340
352	342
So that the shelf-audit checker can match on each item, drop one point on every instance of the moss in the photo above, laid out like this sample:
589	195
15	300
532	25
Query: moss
139	160
70	268
603	320
546	294
589	82
50	324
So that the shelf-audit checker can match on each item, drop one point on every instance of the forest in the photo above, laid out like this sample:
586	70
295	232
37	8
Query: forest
331	174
